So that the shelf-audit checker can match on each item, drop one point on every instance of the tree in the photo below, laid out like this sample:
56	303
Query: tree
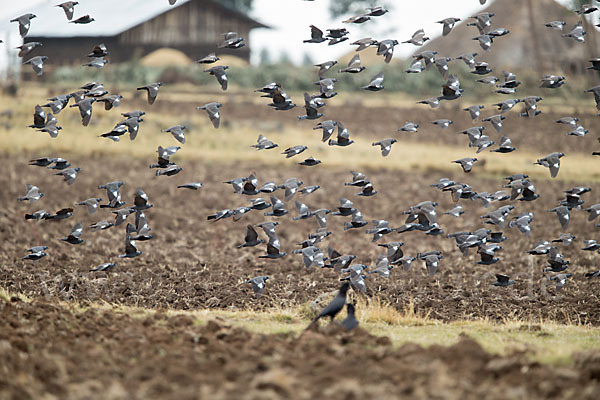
342	7
244	6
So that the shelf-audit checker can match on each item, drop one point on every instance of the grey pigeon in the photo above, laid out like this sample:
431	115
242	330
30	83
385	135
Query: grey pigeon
131	250
114	100
418	38
278	208
551	161
385	145
33	194
455	212
191	185
293	151
96	62
496	121
382	267
448	24
74	236
231	41
367	190
177	132
364	43
376	83
474	111
212	109
522	222
432	260
466	163
451	89
552	81
561	280
577	33
565	238
343	137
85	110
409	126
91	204
50	126
169	171
69	175
27	48
311	108
432	102
354	65
86	19
101	225
152	90
262	143
114	194
209	59
24	23
558	25
310	162
328	128
37	63
325	66
273	249
357	221
505	146
443	123
258	284
219	73
106	267
309	189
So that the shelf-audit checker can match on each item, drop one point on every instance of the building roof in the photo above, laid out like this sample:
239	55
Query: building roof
117	16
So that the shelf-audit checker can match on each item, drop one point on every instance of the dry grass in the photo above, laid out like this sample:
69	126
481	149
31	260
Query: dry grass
231	143
544	341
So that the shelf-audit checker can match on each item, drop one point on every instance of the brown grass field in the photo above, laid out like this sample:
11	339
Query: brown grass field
178	322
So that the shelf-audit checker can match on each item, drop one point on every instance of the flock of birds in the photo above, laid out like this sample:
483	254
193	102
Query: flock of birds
421	217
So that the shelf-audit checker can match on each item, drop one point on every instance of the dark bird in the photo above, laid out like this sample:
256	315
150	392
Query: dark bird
251	239
350	322
336	305
212	109
99	50
316	35
86	19
152	90
24	23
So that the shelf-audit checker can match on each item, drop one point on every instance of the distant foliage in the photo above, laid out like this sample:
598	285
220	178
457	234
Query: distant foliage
244	6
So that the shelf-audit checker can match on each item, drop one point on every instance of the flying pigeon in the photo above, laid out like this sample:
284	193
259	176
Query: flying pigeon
376	83
24	23
219	73
27	48
209	59
86	19
177	132
448	24
74	236
69	175
212	109
106	267
551	161
385	145
152	90
418	38
316	35
354	65
37	63
258	284
503	280
33	194
85	110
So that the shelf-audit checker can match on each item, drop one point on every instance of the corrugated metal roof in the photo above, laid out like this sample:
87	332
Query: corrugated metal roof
112	17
